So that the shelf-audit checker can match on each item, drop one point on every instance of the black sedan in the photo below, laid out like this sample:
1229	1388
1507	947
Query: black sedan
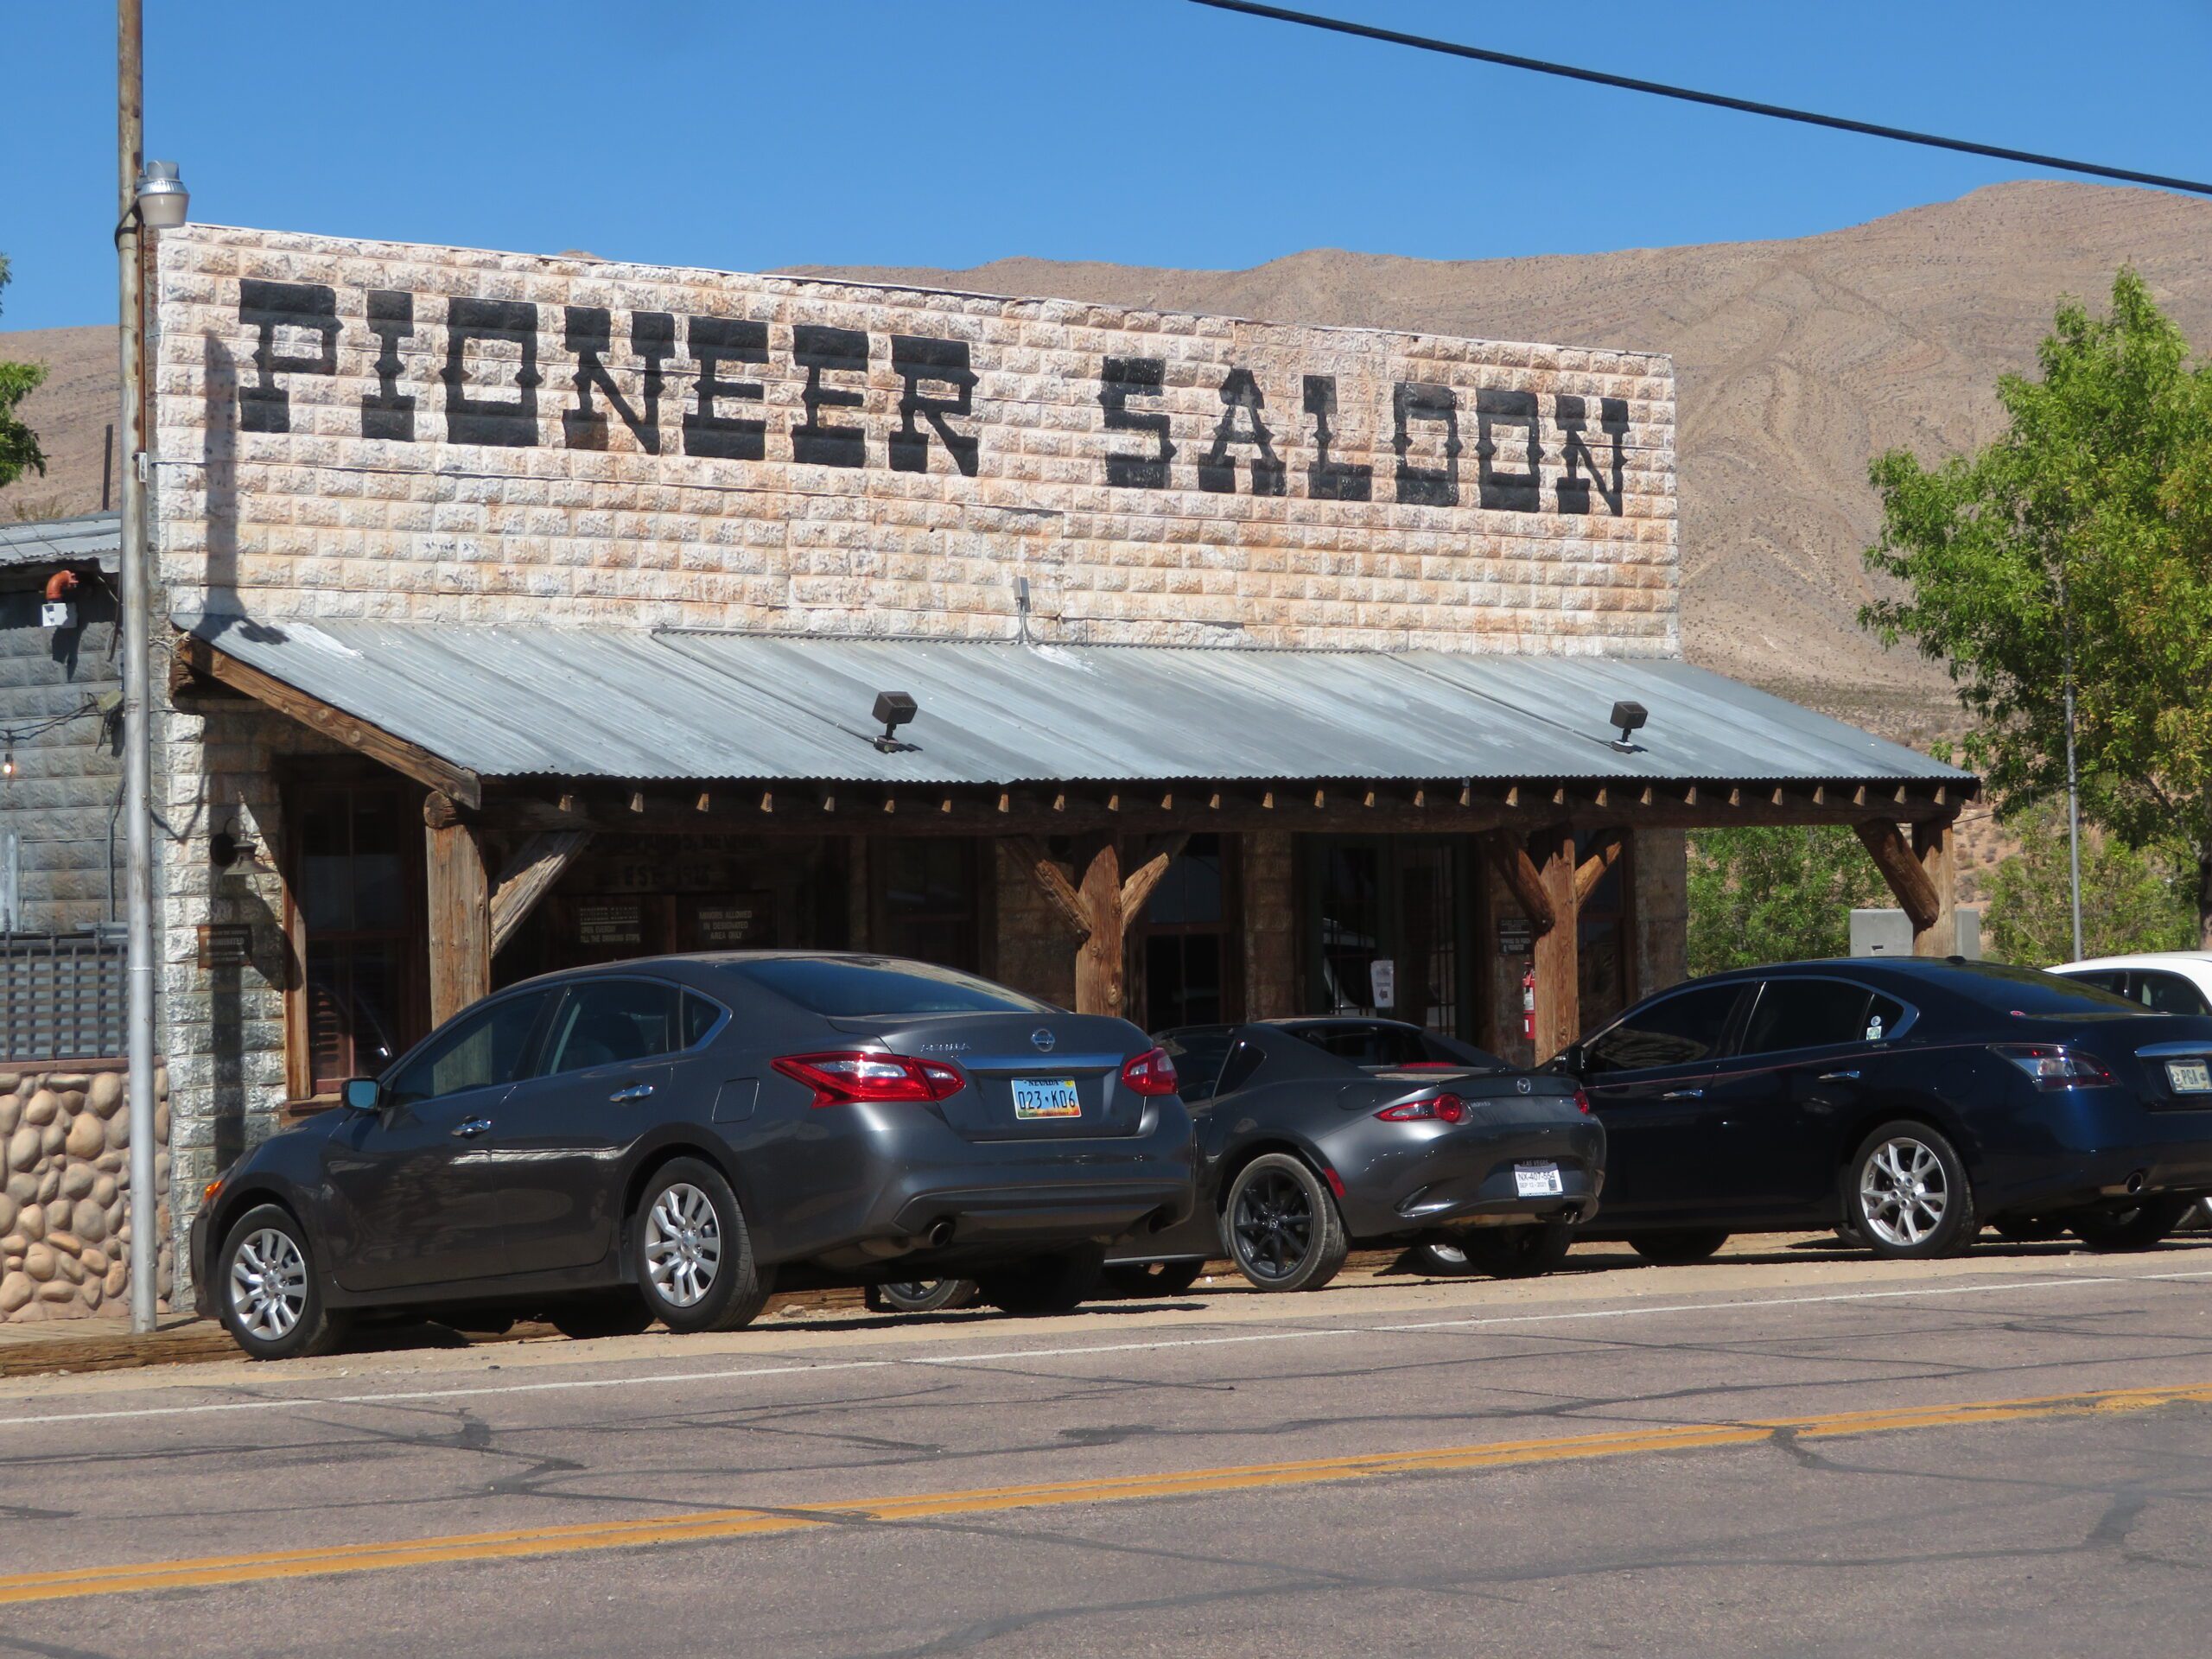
660	1139
1908	1102
1317	1134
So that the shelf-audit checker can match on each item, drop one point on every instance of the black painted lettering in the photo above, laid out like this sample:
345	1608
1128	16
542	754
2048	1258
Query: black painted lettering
1120	379
652	337
266	307
492	420
1239	394
1572	492
707	431
1511	492
387	412
917	359
1327	480
1425	486
818	351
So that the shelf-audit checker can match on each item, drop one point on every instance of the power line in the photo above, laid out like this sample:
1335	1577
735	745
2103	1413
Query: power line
1716	100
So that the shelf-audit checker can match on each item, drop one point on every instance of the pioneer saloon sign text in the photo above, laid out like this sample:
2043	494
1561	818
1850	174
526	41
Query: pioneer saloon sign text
696	385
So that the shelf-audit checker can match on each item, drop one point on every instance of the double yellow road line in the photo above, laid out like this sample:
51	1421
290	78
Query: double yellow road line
703	1525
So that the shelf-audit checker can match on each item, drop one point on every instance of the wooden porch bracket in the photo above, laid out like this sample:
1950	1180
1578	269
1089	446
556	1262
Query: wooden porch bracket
1509	855
1591	870
408	758
528	876
1909	882
1558	964
1099	907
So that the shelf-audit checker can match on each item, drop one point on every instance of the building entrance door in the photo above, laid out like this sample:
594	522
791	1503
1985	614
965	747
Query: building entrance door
1389	928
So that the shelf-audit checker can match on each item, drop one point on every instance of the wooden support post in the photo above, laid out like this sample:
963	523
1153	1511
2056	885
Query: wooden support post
1099	907
459	910
1559	973
1098	961
1932	848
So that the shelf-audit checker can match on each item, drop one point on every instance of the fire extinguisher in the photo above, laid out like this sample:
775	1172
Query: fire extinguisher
1528	1002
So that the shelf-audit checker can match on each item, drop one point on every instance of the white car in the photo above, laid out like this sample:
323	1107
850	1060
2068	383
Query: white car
2172	982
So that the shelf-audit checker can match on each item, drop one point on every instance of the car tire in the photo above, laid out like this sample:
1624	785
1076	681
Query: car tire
919	1295
1153	1278
1058	1283
268	1291
1523	1251
691	1253
1439	1258
1679	1247
1283	1229
2138	1228
588	1319
1907	1194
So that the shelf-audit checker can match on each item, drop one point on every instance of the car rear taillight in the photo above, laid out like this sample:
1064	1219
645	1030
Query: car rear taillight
1581	1101
2054	1067
866	1074
1437	1109
1151	1073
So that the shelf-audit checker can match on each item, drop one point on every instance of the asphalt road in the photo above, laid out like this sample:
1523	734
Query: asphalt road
1777	1451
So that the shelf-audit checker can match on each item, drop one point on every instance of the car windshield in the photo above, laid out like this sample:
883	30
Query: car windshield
2031	991
850	986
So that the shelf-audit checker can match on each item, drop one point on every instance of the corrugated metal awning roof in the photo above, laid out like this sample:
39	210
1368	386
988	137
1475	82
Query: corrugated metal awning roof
90	538
515	701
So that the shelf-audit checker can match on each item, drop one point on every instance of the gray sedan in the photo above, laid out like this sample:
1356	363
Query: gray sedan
669	1139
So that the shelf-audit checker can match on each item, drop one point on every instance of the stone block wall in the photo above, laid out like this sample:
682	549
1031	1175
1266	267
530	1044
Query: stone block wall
64	1228
365	428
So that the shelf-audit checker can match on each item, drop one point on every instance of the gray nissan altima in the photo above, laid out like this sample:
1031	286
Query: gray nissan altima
669	1139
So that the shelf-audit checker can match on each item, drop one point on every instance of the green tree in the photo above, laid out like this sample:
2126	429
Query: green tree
18	443
2131	900
2081	539
1759	894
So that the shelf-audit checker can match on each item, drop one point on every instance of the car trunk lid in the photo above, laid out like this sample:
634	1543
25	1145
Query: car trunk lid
1031	1077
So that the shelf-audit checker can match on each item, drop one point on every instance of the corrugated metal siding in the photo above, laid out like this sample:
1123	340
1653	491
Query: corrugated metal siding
516	702
95	537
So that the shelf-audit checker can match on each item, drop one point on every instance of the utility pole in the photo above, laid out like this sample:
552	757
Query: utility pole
2073	780
129	232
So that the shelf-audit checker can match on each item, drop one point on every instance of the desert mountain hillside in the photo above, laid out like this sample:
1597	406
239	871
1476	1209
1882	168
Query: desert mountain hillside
1798	361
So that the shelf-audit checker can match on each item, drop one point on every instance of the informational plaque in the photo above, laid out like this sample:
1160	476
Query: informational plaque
225	944
602	926
1515	936
733	921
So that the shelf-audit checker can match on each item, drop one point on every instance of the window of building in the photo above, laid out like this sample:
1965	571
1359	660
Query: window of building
1189	939
356	890
1389	926
927	895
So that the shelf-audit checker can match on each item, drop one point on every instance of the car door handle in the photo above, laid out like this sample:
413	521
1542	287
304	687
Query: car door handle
635	1091
1683	1094
1840	1077
472	1129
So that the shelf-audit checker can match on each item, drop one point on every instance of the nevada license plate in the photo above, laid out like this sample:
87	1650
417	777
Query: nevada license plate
1054	1099
1538	1181
2189	1077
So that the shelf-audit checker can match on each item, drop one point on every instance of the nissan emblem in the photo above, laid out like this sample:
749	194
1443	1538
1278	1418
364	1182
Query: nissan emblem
1044	1040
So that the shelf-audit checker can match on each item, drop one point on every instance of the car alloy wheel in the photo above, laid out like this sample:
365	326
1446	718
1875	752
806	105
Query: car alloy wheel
684	1245
1903	1192
269	1284
1282	1227
1273	1223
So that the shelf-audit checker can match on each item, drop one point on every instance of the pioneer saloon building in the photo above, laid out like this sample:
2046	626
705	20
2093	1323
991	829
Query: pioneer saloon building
532	611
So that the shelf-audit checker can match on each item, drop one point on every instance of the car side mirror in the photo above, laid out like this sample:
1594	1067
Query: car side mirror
364	1095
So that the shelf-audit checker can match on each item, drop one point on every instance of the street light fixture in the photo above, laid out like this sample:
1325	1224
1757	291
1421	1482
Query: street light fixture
163	198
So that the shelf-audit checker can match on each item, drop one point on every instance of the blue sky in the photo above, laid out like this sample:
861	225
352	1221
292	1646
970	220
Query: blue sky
752	134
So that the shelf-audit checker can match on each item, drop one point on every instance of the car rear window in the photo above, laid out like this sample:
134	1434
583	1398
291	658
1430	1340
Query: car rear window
850	987
2031	991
